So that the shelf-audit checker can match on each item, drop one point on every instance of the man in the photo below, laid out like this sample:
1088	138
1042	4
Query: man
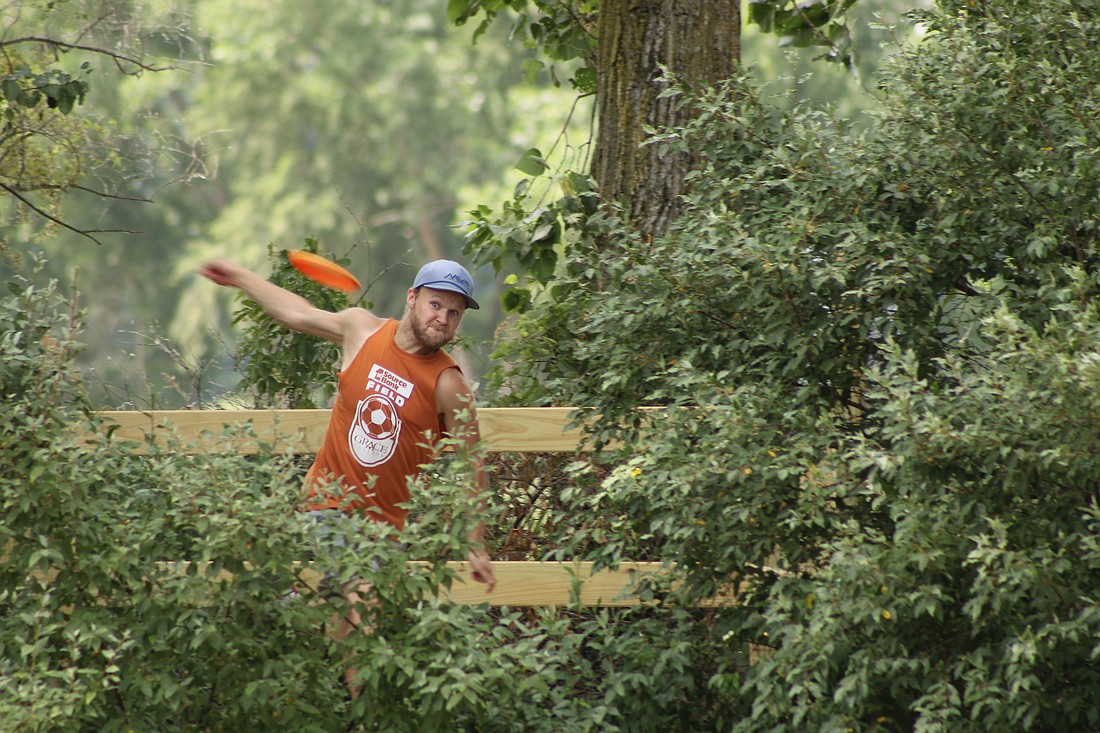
396	385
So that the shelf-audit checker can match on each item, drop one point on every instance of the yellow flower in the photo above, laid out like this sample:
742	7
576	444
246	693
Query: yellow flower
636	472
886	615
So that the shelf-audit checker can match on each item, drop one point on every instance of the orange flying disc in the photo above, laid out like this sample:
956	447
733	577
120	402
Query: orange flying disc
322	270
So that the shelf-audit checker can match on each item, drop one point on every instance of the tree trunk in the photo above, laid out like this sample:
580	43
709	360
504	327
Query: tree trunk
696	41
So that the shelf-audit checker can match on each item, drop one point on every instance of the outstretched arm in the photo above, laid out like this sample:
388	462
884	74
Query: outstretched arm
455	400
289	309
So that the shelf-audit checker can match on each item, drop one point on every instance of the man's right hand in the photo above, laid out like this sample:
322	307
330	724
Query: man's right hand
222	272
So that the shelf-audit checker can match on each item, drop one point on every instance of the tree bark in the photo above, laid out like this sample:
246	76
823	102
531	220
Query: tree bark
696	41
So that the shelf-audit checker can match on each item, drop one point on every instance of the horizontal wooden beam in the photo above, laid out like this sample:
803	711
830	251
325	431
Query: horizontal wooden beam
534	583
503	429
551	584
522	584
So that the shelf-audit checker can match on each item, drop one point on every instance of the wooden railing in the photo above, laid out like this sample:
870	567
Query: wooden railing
519	429
503	429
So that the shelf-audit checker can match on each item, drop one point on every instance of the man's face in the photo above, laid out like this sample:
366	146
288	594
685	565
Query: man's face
434	316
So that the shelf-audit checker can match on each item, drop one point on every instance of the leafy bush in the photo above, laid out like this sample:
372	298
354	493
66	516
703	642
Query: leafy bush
99	633
149	587
880	349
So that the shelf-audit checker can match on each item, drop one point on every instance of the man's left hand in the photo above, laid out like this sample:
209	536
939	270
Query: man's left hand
482	568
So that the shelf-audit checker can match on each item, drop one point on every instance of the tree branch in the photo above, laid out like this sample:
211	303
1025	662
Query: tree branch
119	58
112	196
88	233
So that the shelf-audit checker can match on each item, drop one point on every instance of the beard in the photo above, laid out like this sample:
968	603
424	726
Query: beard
428	337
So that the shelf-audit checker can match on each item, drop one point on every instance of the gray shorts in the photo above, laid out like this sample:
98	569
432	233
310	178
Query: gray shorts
328	527
333	528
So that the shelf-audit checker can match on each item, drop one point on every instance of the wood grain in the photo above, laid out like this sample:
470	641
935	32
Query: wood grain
503	429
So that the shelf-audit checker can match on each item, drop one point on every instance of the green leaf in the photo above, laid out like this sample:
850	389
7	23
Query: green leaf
532	163
584	80
459	11
515	300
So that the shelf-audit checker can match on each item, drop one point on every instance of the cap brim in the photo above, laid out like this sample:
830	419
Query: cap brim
470	302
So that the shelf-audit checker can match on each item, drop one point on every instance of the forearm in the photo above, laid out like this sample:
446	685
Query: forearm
478	557
281	304
456	403
478	494
289	309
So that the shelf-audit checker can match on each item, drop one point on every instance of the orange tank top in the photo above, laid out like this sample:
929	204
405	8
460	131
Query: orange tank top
385	405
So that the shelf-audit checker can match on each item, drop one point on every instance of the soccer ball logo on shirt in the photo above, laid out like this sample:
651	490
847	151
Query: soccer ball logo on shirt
374	432
380	417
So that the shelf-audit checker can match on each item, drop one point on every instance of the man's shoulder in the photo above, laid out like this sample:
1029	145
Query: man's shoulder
362	321
451	385
358	325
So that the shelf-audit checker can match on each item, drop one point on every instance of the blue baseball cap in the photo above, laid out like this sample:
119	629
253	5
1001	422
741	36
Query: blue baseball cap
447	275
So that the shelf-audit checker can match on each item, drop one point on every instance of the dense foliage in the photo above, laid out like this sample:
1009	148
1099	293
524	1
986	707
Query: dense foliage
881	353
146	588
